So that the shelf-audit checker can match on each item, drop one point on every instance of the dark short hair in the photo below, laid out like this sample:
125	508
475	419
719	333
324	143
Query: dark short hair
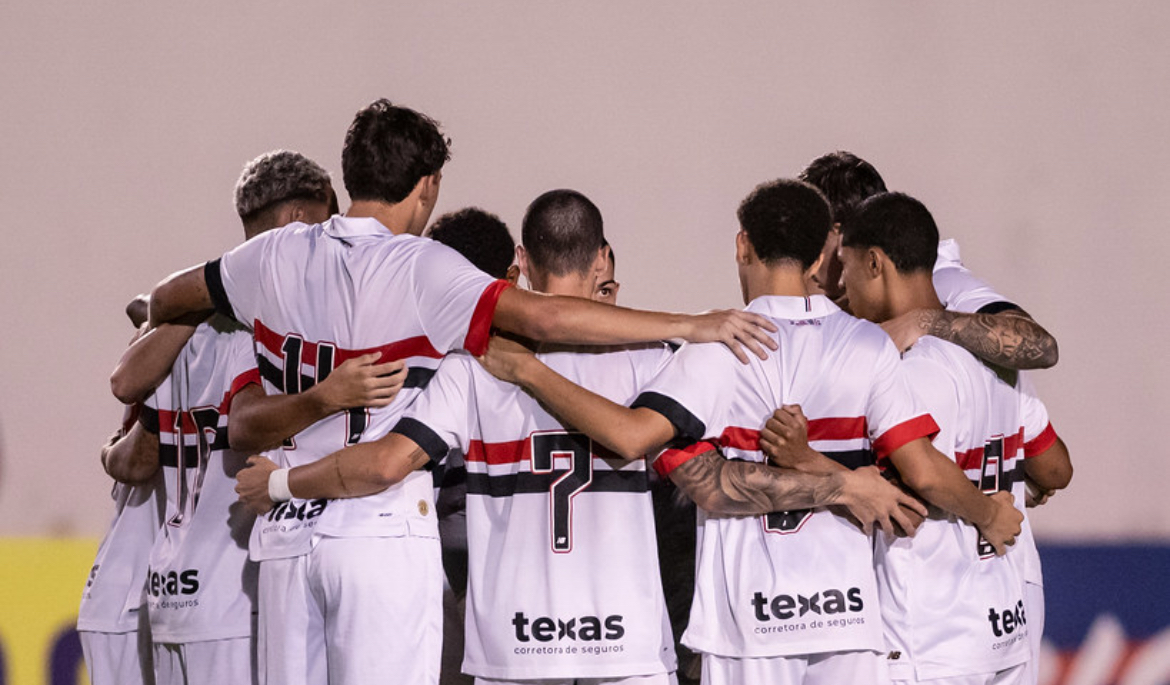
786	220
900	225
562	232
479	236
279	176
845	179
388	149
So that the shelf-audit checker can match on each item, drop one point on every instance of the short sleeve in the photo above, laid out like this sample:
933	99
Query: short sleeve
440	419
961	291
892	414
936	393
692	390
1038	432
456	301
241	364
233	280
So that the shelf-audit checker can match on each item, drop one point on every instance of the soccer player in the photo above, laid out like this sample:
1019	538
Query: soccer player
111	622
485	241
201	587
999	332
316	295
769	604
953	612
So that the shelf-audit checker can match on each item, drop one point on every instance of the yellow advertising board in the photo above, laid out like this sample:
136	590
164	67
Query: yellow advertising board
40	588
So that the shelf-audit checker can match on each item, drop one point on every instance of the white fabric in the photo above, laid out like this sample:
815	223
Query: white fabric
352	611
230	662
1034	605
656	679
113	593
201	584
852	668
1016	675
122	658
958	289
563	567
332	291
950	607
798	582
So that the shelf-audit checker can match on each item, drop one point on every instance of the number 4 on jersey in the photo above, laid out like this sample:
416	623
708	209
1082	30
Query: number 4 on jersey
546	447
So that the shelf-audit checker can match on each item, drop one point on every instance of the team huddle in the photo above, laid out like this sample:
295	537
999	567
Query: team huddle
354	443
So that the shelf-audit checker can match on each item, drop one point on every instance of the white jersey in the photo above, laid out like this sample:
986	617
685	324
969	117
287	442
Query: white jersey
113	593
797	582
961	291
950	606
201	584
318	295
563	565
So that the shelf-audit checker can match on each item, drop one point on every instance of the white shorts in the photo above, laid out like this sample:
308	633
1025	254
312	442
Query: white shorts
1016	675
117	658
208	661
657	679
832	668
352	611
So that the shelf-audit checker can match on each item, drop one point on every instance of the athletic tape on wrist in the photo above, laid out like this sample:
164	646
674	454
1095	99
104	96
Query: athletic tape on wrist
278	486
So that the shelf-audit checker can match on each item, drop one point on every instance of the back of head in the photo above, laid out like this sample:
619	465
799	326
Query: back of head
276	177
479	236
845	179
786	221
388	149
562	232
898	224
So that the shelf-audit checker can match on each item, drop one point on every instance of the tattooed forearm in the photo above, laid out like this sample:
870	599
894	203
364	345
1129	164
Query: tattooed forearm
740	488
1009	339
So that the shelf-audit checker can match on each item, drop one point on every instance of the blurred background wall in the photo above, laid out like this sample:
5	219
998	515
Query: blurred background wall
1036	132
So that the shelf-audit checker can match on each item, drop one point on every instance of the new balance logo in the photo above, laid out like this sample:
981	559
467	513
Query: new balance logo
826	602
1005	622
585	628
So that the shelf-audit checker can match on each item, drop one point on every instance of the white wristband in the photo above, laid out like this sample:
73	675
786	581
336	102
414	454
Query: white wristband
278	486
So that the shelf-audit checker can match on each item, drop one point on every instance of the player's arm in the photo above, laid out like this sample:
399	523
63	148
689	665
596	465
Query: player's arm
184	293
942	483
1009	338
741	488
131	457
148	361
1047	472
260	421
553	318
356	471
631	433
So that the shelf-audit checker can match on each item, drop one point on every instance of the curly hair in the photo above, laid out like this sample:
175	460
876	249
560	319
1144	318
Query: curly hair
479	236
276	177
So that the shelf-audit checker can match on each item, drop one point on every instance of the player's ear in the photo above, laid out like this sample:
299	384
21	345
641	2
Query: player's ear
522	261
430	188
875	262
816	266
513	274
601	260
744	253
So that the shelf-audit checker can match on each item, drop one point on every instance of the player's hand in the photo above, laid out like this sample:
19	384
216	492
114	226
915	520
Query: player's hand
506	358
138	310
874	501
784	438
362	382
905	330
735	328
1004	525
1035	495
252	484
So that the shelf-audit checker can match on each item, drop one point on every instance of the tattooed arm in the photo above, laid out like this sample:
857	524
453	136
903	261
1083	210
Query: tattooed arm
1010	338
741	488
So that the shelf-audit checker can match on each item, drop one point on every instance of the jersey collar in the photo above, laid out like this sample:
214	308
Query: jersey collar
948	254
340	226
789	307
